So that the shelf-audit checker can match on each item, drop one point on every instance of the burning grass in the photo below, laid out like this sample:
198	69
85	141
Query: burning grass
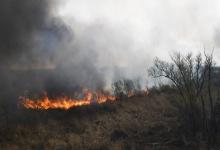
66	102
134	123
82	98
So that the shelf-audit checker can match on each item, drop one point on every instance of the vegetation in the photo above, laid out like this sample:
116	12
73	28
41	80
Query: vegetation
183	114
122	88
192	77
136	123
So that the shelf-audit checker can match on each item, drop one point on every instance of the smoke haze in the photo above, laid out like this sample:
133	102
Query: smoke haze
154	27
93	43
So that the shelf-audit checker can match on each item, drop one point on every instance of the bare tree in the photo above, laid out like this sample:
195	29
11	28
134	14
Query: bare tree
122	88
191	76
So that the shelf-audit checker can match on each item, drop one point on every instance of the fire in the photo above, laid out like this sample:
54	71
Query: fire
65	102
130	94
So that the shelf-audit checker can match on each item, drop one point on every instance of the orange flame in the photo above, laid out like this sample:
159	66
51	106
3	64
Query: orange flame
65	102
130	94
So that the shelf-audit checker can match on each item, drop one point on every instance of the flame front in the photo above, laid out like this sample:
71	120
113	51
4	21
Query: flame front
65	102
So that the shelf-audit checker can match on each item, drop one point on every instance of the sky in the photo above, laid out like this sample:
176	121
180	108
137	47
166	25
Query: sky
143	29
97	42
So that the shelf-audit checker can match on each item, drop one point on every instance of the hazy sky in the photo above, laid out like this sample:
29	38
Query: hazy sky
96	42
150	27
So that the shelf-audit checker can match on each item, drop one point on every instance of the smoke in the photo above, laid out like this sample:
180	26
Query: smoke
34	39
39	51
30	34
126	36
19	23
154	27
94	43
100	54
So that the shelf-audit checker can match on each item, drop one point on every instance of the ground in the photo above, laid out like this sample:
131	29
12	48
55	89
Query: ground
138	123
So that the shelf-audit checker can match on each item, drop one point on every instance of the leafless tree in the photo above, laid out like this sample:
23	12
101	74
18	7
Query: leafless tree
192	77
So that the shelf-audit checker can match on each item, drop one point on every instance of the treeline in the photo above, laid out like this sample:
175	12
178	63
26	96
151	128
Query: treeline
127	88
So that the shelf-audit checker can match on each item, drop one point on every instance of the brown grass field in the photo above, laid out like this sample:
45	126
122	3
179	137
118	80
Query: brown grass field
138	123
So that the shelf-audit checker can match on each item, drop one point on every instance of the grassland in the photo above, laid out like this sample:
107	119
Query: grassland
138	123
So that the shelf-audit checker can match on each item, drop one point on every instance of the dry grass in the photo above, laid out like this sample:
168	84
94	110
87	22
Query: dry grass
136	123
